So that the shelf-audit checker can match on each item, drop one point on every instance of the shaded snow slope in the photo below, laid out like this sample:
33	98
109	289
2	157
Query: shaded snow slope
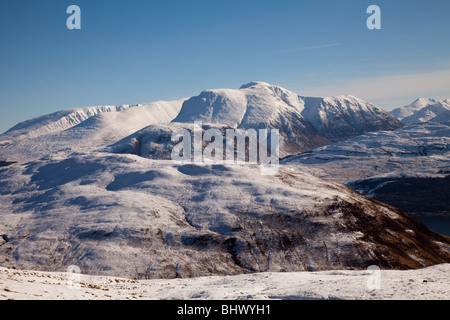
425	284
443	117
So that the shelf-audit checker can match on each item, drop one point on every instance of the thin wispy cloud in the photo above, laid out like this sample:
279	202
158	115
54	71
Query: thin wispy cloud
322	46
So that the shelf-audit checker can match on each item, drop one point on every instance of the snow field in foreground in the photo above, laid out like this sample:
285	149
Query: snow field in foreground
429	283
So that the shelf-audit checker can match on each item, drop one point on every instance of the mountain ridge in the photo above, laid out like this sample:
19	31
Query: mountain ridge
304	123
261	105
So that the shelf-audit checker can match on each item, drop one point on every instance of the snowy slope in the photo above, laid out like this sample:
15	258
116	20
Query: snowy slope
421	110
422	149
425	284
410	163
124	215
58	121
443	117
155	141
81	129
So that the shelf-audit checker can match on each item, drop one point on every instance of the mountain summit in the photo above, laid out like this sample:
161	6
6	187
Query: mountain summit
304	122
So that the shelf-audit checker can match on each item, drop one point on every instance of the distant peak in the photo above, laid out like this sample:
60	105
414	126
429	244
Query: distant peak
425	101
254	84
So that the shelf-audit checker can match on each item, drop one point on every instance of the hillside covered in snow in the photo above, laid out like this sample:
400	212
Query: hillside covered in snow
408	168
127	216
96	189
82	129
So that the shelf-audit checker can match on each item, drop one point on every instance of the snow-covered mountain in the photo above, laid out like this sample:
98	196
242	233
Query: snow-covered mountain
304	123
92	189
422	110
256	105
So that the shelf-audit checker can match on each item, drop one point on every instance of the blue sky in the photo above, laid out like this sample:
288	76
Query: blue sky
140	51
